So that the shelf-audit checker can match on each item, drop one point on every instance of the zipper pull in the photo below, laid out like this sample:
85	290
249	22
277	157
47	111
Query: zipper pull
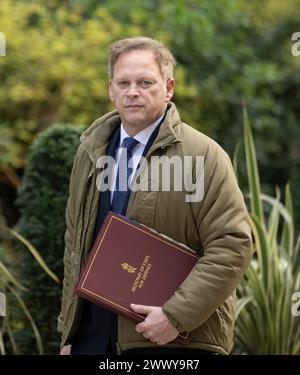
162	150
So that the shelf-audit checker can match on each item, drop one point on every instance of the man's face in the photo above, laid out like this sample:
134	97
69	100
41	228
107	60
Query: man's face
138	90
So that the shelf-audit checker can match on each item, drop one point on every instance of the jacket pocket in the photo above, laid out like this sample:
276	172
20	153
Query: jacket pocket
144	210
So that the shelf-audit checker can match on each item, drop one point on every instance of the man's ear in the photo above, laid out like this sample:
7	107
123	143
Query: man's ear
110	93
170	86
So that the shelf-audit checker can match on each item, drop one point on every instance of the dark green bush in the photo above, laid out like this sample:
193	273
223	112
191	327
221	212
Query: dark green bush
42	200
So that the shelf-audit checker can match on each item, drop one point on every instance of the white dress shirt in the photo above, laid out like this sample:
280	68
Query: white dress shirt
143	138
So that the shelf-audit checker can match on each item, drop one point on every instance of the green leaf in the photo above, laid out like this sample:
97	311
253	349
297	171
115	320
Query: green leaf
252	169
33	251
5	272
262	250
29	317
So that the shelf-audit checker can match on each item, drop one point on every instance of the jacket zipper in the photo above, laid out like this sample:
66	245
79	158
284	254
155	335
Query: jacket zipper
161	147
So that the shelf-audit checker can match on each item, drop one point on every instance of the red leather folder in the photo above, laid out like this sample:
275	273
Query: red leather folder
131	263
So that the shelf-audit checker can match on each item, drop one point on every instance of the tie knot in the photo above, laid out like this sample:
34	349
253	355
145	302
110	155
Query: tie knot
129	143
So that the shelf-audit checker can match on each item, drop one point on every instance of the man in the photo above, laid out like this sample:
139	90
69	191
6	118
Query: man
141	86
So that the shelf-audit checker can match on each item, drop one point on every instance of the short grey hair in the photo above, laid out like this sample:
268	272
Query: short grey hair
163	56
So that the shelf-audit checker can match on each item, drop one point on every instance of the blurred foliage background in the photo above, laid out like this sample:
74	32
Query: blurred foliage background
55	71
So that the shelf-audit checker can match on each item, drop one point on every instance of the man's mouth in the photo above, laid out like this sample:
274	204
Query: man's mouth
133	106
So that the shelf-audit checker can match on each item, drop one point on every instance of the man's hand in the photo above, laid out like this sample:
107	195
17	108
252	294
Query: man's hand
156	327
66	350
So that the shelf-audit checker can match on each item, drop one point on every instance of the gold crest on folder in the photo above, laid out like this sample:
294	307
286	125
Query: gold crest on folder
128	267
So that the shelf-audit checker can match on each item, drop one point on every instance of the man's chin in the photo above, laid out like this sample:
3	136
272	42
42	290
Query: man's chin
134	120
136	123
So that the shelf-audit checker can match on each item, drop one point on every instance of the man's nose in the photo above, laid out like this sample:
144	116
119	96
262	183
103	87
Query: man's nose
133	90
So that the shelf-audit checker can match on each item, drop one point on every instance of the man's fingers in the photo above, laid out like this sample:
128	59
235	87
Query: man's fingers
141	309
140	327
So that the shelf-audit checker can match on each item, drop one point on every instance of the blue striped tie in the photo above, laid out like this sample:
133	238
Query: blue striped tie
124	171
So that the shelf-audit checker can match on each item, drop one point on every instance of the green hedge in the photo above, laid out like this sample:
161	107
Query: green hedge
42	200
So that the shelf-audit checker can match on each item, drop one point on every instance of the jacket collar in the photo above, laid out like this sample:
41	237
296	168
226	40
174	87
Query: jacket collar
96	138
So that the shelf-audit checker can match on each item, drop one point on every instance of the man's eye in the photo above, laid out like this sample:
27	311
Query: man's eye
145	84
123	84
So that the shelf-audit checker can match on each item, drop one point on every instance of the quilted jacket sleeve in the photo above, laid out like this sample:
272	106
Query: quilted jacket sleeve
224	231
69	237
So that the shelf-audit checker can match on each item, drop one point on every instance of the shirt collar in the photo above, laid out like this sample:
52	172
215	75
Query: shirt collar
144	135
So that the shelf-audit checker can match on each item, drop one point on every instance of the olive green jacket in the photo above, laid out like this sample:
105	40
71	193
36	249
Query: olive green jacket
217	227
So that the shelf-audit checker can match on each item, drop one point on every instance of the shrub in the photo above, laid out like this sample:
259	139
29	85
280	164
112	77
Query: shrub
42	199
